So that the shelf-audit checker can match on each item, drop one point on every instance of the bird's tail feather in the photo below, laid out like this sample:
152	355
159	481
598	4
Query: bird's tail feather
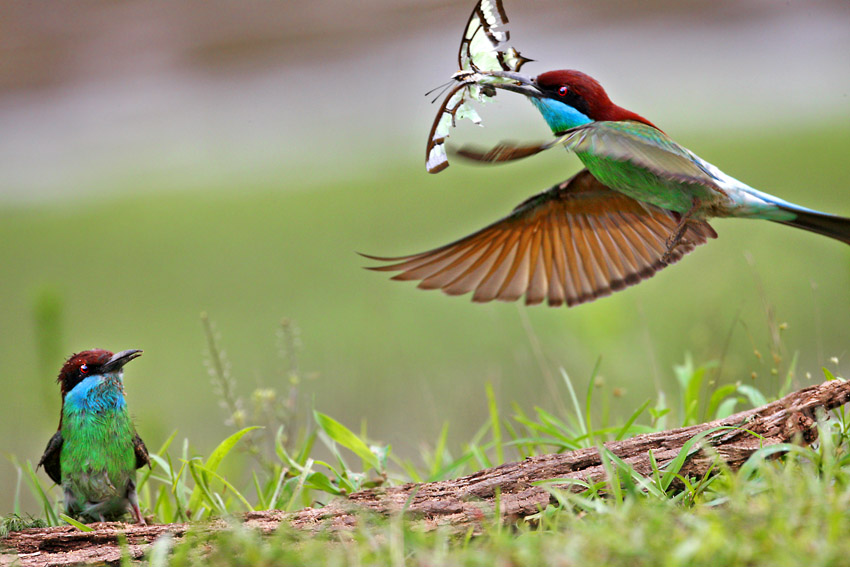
828	225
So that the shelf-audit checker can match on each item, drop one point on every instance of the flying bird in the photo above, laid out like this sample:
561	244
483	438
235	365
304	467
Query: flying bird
641	203
96	451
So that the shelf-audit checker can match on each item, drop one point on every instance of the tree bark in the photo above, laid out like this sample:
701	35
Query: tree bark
465	501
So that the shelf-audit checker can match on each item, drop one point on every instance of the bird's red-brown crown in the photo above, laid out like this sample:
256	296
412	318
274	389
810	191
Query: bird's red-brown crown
80	365
586	94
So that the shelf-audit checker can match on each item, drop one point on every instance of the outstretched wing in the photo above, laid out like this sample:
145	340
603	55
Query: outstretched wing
50	460
571	244
628	141
142	456
481	49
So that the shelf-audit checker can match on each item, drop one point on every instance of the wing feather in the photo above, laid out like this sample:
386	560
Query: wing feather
640	144
51	459
489	286
558	275
141	451
583	259
453	265
623	140
516	281
614	258
538	274
469	279
571	244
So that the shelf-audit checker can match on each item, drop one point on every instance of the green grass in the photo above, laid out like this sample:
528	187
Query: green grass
771	511
790	511
775	512
794	516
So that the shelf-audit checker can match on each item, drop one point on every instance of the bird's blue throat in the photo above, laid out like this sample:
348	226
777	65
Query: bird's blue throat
97	394
559	116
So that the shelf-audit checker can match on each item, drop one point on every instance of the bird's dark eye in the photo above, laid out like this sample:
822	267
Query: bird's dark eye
563	90
84	369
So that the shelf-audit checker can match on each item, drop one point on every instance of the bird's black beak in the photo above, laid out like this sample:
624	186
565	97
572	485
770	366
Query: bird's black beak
119	359
516	82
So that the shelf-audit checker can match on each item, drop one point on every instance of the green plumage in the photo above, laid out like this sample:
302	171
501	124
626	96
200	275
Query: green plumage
98	462
640	183
644	163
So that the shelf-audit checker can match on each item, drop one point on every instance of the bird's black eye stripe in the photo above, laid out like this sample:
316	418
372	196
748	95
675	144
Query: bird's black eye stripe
569	95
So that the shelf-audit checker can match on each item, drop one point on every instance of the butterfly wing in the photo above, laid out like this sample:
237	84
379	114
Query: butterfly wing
454	106
481	49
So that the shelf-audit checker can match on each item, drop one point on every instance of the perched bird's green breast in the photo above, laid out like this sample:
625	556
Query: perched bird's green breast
98	458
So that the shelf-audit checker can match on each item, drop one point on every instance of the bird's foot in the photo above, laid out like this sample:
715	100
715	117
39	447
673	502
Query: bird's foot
676	238
137	514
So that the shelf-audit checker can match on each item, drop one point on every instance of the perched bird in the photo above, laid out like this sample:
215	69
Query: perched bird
641	203
96	452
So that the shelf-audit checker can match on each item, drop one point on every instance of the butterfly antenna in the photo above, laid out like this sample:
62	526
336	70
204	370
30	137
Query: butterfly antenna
442	88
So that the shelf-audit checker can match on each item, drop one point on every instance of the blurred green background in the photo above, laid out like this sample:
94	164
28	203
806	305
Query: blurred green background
162	160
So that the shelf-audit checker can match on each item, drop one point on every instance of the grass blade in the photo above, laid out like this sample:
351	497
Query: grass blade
494	424
345	437
79	525
213	462
574	399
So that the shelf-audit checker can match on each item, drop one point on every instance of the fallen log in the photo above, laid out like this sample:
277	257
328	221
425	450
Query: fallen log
465	501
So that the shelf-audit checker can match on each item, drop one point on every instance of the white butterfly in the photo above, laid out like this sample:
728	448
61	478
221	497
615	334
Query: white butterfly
482	49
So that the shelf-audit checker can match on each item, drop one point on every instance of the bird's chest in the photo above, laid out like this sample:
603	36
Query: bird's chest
97	454
643	185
